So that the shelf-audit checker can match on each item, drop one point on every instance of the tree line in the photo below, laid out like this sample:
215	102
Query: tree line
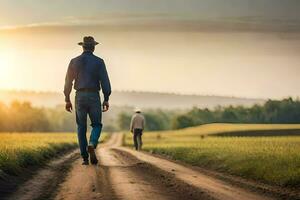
23	117
286	111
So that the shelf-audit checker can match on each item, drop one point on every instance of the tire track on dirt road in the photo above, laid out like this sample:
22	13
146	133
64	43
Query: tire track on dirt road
132	179
46	180
119	177
214	188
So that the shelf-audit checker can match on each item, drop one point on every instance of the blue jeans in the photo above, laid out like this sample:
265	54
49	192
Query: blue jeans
88	103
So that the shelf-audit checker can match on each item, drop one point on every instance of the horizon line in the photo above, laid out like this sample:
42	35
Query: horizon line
155	92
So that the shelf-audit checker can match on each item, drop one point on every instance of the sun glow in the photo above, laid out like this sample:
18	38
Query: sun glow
7	62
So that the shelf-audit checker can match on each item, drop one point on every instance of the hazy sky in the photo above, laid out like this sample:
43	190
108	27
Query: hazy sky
244	48
22	12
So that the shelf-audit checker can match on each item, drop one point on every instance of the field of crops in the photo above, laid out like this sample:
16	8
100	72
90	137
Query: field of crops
270	159
19	150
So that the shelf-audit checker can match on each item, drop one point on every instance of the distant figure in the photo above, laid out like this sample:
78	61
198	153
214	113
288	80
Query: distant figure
136	127
89	72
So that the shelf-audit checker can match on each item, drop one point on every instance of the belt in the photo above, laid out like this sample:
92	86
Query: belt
88	90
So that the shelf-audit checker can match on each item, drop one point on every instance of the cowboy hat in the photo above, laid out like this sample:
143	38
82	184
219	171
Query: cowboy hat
88	40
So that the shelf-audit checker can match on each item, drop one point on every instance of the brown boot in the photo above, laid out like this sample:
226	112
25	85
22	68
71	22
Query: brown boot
85	161
92	153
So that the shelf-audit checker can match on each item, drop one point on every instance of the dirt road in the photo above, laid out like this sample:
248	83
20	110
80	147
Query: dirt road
128	175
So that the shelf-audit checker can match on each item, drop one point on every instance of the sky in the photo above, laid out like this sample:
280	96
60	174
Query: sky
245	48
23	12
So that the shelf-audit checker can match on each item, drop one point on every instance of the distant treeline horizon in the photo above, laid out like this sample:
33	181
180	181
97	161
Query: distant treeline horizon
286	111
23	117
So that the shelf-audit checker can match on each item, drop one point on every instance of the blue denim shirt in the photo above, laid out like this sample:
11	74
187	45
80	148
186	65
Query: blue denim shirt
89	72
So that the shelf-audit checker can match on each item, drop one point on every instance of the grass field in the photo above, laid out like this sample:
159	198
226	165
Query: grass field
274	160
19	150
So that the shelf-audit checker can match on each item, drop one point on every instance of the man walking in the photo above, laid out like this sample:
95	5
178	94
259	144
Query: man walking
89	75
136	127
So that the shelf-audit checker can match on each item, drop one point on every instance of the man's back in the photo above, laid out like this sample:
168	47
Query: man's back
87	68
88	71
137	121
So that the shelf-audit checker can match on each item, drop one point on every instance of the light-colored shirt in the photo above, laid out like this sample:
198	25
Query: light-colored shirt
137	122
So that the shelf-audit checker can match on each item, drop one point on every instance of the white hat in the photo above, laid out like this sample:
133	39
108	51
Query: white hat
137	110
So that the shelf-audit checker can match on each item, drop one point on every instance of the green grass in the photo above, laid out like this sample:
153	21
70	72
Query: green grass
20	150
273	160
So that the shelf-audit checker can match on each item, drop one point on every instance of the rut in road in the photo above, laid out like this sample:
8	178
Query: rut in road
212	187
122	177
127	174
46	180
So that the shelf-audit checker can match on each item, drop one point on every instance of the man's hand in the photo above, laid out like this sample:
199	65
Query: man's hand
69	107
105	106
